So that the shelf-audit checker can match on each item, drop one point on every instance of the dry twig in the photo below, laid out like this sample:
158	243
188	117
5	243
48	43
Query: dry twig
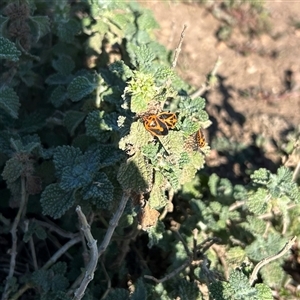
267	260
13	232
91	267
178	49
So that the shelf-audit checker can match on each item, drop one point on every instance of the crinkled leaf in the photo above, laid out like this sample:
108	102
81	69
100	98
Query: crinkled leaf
264	247
272	274
34	228
65	156
146	21
55	201
240	284
155	233
260	176
75	177
12	170
59	268
98	124
142	90
72	119
58	79
9	101
42	279
118	294
81	173
3	24
64	65
100	191
8	50
257	201
186	289
140	291
264	292
33	122
136	174
80	87
121	69
59	283
66	30
157	197
41	26
58	96
138	136
109	155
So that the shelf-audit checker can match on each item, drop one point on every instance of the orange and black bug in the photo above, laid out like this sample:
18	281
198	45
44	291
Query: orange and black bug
200	139
155	125
169	118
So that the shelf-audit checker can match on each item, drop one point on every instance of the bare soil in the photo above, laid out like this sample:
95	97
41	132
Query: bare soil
256	101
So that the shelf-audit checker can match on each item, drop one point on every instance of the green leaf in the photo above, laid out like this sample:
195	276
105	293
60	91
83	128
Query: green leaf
272	274
142	90
136	174
186	290
157	197
81	173
40	26
80	87
27	144
121	70
55	201
33	122
109	155
140	291
240	284
235	256
144	57
34	228
59	283
58	79
155	233
3	24
257	201
72	119
99	124
41	278
12	170
118	294
58	96
64	65
146	21
9	101
100	191
59	268
265	247
138	137
254	225
260	176
65	156
264	292
67	30
8	50
75	177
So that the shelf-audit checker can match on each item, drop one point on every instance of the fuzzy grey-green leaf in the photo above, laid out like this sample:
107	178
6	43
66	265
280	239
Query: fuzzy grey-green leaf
80	87
8	50
55	201
9	101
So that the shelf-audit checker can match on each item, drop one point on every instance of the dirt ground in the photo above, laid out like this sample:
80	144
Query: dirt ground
257	99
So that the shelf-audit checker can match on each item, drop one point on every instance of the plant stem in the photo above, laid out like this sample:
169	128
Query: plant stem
267	260
13	232
113	224
91	267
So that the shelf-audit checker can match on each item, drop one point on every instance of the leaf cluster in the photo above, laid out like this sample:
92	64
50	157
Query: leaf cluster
74	97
